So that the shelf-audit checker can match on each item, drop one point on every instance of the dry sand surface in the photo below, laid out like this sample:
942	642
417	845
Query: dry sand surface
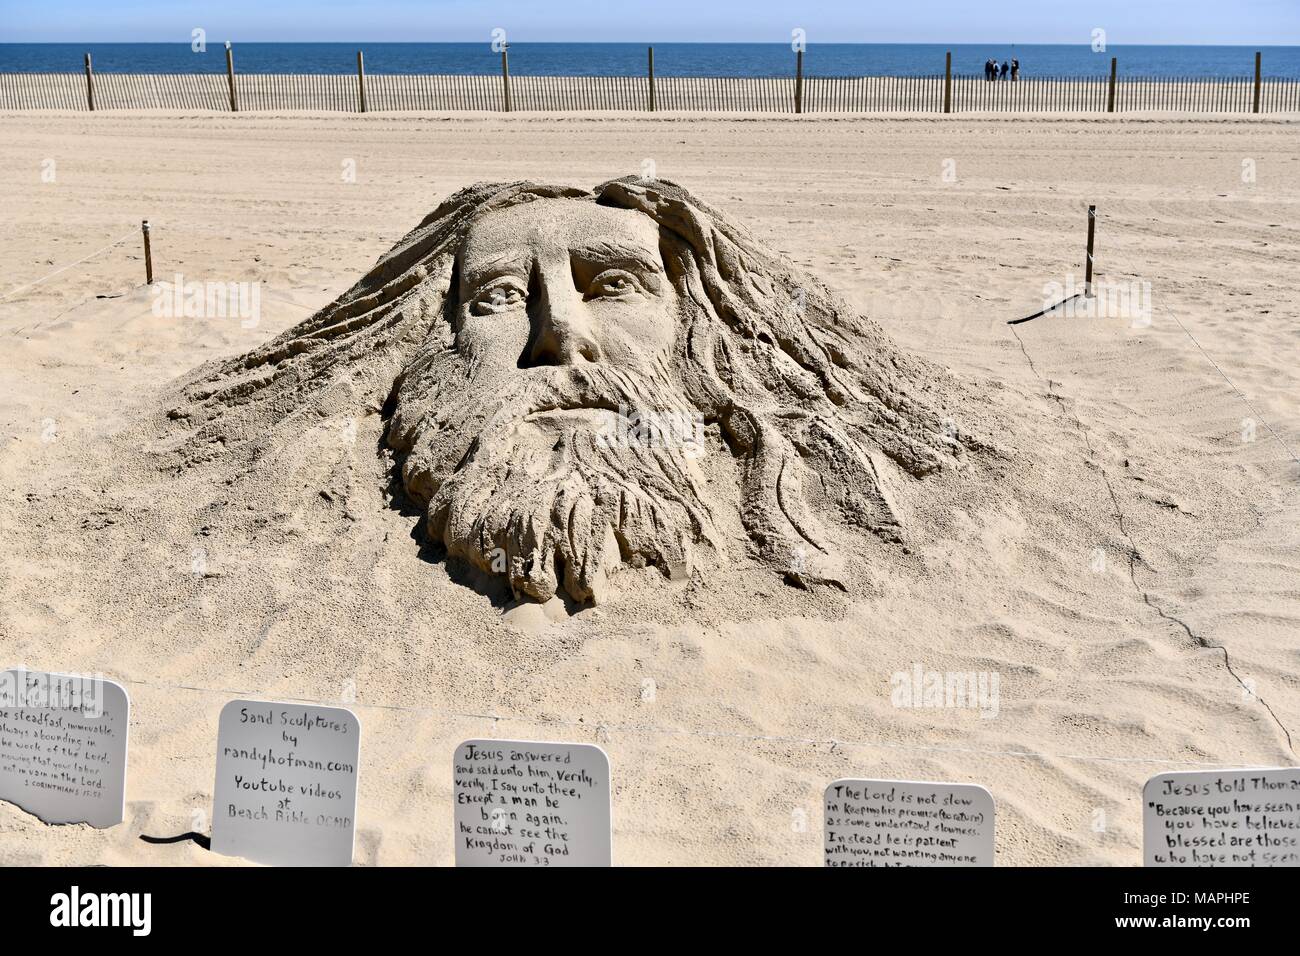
1129	569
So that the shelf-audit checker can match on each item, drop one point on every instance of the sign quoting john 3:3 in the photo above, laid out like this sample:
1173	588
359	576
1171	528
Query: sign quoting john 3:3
63	746
286	789
528	803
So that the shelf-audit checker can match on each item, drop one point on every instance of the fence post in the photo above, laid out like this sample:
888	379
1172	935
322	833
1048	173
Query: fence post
798	81
505	77
947	83
1110	97
230	77
361	80
1257	79
1087	267
90	85
148	254
652	80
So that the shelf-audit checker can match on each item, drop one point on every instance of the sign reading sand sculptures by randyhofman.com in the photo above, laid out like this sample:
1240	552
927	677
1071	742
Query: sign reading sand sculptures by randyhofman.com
526	803
908	823
63	746
286	790
1222	818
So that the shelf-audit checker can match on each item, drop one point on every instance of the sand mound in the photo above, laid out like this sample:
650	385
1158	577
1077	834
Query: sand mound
577	381
1124	510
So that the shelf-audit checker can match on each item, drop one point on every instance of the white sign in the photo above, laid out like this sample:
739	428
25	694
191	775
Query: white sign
63	746
286	791
525	803
1222	818
908	823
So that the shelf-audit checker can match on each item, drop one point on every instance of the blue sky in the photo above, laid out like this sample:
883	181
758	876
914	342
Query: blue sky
1271	22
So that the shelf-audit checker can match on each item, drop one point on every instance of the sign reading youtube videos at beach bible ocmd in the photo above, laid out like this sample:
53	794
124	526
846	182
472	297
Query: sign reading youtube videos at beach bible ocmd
526	803
1222	818
286	791
63	746
908	823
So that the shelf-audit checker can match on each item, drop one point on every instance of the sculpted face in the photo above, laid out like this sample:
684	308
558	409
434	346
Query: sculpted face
559	283
563	329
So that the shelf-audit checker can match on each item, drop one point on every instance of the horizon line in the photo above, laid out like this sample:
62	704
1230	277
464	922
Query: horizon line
1084	43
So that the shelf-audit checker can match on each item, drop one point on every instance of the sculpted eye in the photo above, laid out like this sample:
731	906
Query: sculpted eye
498	297
612	284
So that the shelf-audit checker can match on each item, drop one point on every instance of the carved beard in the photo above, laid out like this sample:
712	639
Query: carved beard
546	476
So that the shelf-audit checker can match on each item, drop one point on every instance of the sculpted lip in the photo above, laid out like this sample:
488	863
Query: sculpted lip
577	404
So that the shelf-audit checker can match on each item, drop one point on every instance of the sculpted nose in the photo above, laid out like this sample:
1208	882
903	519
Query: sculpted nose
562	333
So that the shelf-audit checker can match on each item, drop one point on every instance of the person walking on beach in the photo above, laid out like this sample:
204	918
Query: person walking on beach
988	69
1006	68
993	69
1015	70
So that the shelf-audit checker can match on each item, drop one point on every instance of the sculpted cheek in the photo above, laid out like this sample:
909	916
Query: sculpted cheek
638	334
494	341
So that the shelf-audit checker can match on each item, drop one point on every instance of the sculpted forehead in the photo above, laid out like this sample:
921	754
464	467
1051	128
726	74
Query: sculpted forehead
556	226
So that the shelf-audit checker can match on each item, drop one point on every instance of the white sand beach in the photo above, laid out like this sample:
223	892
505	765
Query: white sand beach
1128	564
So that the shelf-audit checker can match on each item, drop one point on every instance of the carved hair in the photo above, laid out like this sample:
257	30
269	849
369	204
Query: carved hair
811	399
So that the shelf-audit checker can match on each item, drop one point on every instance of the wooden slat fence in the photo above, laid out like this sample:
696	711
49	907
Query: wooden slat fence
770	94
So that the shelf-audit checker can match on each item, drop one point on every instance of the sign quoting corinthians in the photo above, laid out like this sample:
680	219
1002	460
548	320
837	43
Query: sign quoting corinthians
63	746
286	790
908	823
525	803
1222	818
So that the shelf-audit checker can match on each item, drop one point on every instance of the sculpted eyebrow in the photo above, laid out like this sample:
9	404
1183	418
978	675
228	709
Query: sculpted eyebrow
605	249
506	261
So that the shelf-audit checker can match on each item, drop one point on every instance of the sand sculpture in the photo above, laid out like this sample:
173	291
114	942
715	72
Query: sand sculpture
576	380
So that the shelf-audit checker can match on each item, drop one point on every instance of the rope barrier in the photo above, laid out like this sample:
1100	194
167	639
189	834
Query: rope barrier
1240	394
658	730
32	285
1119	515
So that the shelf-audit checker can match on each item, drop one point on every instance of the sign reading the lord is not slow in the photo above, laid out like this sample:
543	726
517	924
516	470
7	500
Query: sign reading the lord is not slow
527	803
286	790
908	823
63	746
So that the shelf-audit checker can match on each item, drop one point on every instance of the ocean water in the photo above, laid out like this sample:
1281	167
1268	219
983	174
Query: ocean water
671	59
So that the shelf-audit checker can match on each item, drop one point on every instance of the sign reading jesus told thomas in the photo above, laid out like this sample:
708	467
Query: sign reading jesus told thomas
286	791
63	746
1222	818
524	803
908	823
